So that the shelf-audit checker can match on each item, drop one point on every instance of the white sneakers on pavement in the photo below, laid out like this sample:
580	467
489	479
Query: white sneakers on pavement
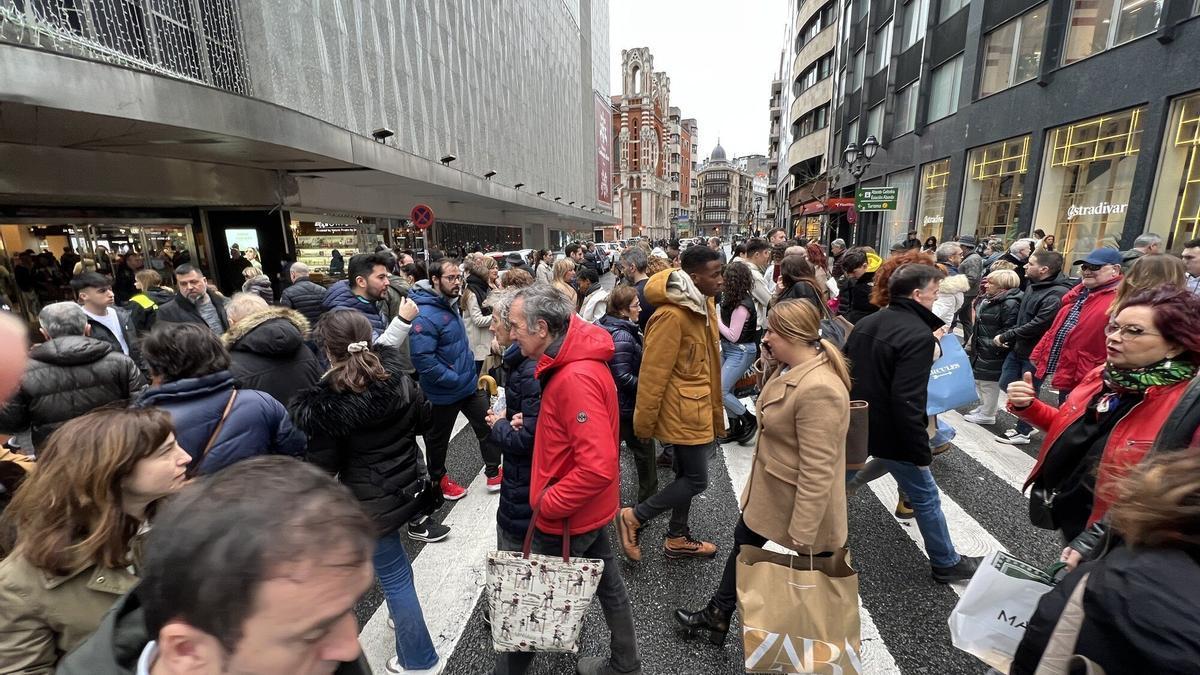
393	666
979	419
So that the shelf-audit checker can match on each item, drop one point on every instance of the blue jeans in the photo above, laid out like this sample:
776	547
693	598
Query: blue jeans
736	359
1014	367
917	482
414	648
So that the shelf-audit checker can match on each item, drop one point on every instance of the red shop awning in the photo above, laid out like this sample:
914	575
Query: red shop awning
832	205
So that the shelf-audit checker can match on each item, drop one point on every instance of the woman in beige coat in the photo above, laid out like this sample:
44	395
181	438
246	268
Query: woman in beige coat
796	495
76	518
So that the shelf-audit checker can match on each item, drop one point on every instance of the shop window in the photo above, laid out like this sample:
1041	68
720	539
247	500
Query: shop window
1013	52
875	121
944	89
948	8
916	14
898	222
1084	193
994	189
931	211
857	70
1097	25
1175	210
883	47
906	109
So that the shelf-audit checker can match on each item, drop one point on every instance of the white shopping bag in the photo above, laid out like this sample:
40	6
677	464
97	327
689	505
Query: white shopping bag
989	620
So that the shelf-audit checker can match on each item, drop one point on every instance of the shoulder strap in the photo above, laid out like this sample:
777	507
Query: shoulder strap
195	467
1056	659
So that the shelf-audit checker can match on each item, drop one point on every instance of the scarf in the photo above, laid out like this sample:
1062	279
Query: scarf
1138	380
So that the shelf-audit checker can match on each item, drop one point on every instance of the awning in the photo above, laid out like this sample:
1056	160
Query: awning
832	205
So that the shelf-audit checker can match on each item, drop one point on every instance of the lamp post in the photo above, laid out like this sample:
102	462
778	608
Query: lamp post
857	159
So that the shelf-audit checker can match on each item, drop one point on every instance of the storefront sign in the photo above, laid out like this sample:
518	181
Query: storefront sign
933	220
603	150
1103	208
877	198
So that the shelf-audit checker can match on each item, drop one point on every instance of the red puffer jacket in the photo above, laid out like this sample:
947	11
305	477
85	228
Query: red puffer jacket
1128	443
575	449
1084	348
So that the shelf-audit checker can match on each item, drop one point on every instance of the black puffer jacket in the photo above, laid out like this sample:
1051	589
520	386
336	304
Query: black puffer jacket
1039	306
801	290
129	333
626	361
370	441
143	307
182	310
269	354
67	377
855	300
994	316
306	297
522	394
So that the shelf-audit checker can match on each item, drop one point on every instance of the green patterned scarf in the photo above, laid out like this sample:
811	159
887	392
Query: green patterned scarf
1164	372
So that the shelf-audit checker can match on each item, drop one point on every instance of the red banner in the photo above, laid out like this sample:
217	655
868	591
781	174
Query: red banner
603	150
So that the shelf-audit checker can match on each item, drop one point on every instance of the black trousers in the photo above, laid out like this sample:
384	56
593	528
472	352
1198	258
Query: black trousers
437	440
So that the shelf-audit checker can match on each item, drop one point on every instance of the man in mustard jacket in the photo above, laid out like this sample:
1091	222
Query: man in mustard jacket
679	396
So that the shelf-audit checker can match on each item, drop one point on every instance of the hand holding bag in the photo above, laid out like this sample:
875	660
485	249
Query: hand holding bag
537	602
951	380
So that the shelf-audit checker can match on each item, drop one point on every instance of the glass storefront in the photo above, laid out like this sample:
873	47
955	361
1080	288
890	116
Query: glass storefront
931	211
1175	210
898	222
1086	180
993	191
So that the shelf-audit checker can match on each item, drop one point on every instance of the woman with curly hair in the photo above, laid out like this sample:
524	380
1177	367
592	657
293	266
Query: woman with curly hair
879	294
738	322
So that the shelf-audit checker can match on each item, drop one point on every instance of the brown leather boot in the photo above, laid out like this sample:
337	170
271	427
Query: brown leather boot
627	532
686	547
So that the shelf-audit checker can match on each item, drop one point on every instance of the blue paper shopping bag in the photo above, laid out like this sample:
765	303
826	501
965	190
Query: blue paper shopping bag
951	380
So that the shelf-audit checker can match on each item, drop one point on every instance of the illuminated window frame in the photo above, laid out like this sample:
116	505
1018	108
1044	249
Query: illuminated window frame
1073	137
1187	134
936	178
1011	150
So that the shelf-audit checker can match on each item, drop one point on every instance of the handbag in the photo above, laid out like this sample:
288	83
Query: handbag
1041	506
951	380
799	613
989	620
537	602
194	467
857	435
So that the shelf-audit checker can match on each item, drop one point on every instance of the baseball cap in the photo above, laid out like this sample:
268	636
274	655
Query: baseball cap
1102	256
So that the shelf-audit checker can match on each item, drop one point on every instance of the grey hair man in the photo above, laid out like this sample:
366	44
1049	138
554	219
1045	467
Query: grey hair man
575	481
69	375
242	305
1146	244
633	262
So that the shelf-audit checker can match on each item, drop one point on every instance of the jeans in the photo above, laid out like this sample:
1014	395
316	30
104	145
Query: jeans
922	490
736	359
414	648
643	459
618	613
691	478
437	440
1014	367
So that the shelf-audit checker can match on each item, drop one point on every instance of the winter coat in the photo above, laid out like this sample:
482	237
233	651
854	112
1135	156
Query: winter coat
891	354
627	360
43	617
1128	258
306	297
340	296
476	317
369	440
268	353
679	386
337	265
950	297
801	290
1182	428
854	303
972	268
1127	443
260	286
182	310
124	284
1039	307
68	377
594	304
994	316
796	494
1139	614
116	646
1084	348
257	424
440	351
143	308
522	394
396	333
576	462
125	319
544	273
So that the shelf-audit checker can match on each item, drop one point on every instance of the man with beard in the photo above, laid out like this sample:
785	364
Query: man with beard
195	302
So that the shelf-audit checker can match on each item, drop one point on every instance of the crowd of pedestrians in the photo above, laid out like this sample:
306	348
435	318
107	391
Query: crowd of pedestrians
164	435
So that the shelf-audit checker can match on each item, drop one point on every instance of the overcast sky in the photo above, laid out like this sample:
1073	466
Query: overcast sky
721	56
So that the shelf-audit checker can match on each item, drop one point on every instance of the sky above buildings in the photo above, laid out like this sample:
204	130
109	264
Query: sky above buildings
721	56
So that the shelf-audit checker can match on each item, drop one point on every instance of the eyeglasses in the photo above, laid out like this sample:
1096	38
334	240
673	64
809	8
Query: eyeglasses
452	277
1088	267
1127	332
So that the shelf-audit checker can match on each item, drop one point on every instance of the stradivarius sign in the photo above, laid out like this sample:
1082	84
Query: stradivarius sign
1103	208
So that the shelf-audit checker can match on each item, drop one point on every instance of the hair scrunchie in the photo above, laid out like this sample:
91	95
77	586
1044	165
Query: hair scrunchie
355	347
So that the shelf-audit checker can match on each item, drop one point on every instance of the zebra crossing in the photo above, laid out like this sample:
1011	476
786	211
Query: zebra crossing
903	611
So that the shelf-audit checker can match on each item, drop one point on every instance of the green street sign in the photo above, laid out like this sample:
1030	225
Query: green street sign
876	198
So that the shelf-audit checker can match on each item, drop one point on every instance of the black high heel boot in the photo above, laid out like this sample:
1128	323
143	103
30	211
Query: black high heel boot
749	428
734	432
710	619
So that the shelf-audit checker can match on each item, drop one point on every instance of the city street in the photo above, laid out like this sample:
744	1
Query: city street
904	612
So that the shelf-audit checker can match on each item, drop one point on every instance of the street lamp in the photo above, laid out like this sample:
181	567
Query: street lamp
858	159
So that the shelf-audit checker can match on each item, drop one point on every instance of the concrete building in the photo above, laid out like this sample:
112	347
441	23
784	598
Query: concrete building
684	140
726	197
772	215
756	167
999	117
302	127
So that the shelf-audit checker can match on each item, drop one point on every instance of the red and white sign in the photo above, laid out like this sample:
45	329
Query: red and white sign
603	150
421	216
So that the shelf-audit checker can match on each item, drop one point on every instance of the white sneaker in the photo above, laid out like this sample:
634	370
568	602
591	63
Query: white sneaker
393	666
1015	439
979	419
1009	433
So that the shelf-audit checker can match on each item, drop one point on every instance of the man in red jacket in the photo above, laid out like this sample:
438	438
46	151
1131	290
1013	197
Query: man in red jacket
575	480
1074	345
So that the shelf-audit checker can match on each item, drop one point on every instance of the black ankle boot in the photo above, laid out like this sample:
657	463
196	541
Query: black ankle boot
733	432
749	427
710	619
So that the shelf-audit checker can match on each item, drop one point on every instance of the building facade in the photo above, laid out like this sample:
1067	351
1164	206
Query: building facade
267	123
1001	117
684	139
755	167
726	203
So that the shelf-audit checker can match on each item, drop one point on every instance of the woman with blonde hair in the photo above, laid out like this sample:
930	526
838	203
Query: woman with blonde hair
564	274
997	313
75	520
804	412
252	256
1147	273
481	274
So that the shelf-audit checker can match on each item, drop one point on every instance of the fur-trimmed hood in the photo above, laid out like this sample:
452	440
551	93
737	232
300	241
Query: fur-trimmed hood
275	331
321	410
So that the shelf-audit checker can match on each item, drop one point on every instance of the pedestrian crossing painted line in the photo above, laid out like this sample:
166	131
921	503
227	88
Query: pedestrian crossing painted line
1006	461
